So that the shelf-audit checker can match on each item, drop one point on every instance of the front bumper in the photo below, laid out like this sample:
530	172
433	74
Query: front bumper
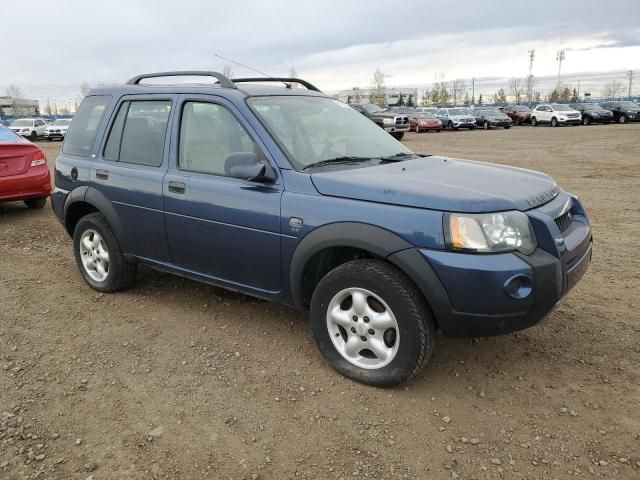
54	134
396	128
474	295
464	124
576	121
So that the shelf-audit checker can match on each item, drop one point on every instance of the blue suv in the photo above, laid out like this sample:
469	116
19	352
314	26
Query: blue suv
290	195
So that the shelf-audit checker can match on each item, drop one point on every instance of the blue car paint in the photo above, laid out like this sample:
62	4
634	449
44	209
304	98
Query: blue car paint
246	235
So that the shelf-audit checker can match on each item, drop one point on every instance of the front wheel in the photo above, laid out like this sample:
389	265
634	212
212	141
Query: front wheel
486	125
35	203
554	122
99	257
534	121
417	129
398	136
371	323
34	136
622	119
507	127
518	121
450	126
586	120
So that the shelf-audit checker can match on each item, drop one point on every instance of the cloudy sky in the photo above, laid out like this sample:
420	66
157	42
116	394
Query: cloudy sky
335	44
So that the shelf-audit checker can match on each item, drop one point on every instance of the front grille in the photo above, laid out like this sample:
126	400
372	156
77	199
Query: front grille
402	120
573	115
564	221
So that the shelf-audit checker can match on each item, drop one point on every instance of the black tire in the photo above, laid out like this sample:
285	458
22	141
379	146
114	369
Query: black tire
586	121
415	322
622	119
417	129
438	131
554	122
121	272
534	121
398	136
486	125
35	203
34	136
49	139
507	127
472	128
518	121
450	125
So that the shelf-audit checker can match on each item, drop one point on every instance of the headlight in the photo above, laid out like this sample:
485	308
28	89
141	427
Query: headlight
388	121
491	232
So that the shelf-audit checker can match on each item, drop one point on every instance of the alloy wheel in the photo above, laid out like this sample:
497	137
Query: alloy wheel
94	255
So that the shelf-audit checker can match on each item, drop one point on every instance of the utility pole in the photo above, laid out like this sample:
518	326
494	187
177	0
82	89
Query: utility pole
630	74
560	58
473	88
532	55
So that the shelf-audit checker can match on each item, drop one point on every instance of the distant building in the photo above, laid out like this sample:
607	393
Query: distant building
393	96
19	107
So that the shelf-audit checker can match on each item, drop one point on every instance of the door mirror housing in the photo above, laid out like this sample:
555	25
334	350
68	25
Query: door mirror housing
246	166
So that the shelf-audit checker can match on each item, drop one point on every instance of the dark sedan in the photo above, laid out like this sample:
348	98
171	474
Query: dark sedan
491	117
593	113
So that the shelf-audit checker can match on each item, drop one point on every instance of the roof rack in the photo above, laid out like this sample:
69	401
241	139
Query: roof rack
224	81
287	81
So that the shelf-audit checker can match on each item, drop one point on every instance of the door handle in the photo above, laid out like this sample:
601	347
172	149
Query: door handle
102	174
177	187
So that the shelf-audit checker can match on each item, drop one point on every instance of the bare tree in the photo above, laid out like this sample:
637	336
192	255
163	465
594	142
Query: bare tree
15	93
426	98
530	77
517	85
441	94
458	88
47	109
227	72
612	89
378	89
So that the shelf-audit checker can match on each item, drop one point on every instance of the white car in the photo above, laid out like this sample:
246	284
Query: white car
58	129
556	114
29	127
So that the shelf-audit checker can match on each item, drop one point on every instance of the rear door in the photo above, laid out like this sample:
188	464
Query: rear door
130	169
225	228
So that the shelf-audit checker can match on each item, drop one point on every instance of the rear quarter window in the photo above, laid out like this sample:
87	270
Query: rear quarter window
84	126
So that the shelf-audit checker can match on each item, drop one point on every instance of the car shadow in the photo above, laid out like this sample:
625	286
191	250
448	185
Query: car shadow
10	210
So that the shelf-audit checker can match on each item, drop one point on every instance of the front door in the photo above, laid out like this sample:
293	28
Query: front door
221	227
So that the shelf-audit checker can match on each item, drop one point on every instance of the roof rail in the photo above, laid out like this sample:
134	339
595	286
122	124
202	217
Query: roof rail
224	81
287	81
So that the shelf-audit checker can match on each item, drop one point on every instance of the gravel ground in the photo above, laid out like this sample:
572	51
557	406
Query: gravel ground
179	380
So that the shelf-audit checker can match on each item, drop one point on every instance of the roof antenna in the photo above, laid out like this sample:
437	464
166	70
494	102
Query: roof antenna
248	67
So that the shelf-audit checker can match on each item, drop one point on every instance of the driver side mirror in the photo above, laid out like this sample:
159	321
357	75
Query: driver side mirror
246	166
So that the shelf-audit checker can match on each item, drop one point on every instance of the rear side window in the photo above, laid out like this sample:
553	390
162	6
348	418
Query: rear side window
84	127
138	133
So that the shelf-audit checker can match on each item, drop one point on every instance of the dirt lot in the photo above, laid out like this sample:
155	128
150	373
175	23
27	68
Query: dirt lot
178	380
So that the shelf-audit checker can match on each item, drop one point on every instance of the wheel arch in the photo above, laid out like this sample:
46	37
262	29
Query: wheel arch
85	200
331	245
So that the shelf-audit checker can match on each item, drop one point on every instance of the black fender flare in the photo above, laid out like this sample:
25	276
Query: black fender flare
97	199
376	240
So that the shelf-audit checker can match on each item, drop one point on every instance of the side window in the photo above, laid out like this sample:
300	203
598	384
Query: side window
209	133
84	126
138	133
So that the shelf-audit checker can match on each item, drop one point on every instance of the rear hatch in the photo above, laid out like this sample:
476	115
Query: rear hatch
15	158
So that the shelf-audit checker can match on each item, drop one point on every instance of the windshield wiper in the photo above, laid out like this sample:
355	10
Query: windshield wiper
339	160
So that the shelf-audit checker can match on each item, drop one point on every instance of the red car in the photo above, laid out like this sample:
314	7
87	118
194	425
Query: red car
518	113
24	173
424	121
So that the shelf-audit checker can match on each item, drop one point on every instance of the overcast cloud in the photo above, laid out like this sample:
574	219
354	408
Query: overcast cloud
336	44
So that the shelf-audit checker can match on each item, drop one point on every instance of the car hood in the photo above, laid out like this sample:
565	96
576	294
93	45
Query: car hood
388	114
460	117
440	183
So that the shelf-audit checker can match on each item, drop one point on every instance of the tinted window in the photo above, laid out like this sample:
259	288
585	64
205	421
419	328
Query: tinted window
209	133
138	133
84	127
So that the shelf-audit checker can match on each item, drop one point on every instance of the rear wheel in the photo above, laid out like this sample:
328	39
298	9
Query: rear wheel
35	203
99	257
450	125
34	136
371	323
554	122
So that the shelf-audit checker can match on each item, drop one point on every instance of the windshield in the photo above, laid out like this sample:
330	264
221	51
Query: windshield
62	122
372	108
521	109
457	111
22	123
425	115
312	129
561	108
629	105
592	106
491	112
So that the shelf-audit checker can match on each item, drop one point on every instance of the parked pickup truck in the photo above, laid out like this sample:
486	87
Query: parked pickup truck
394	123
290	195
